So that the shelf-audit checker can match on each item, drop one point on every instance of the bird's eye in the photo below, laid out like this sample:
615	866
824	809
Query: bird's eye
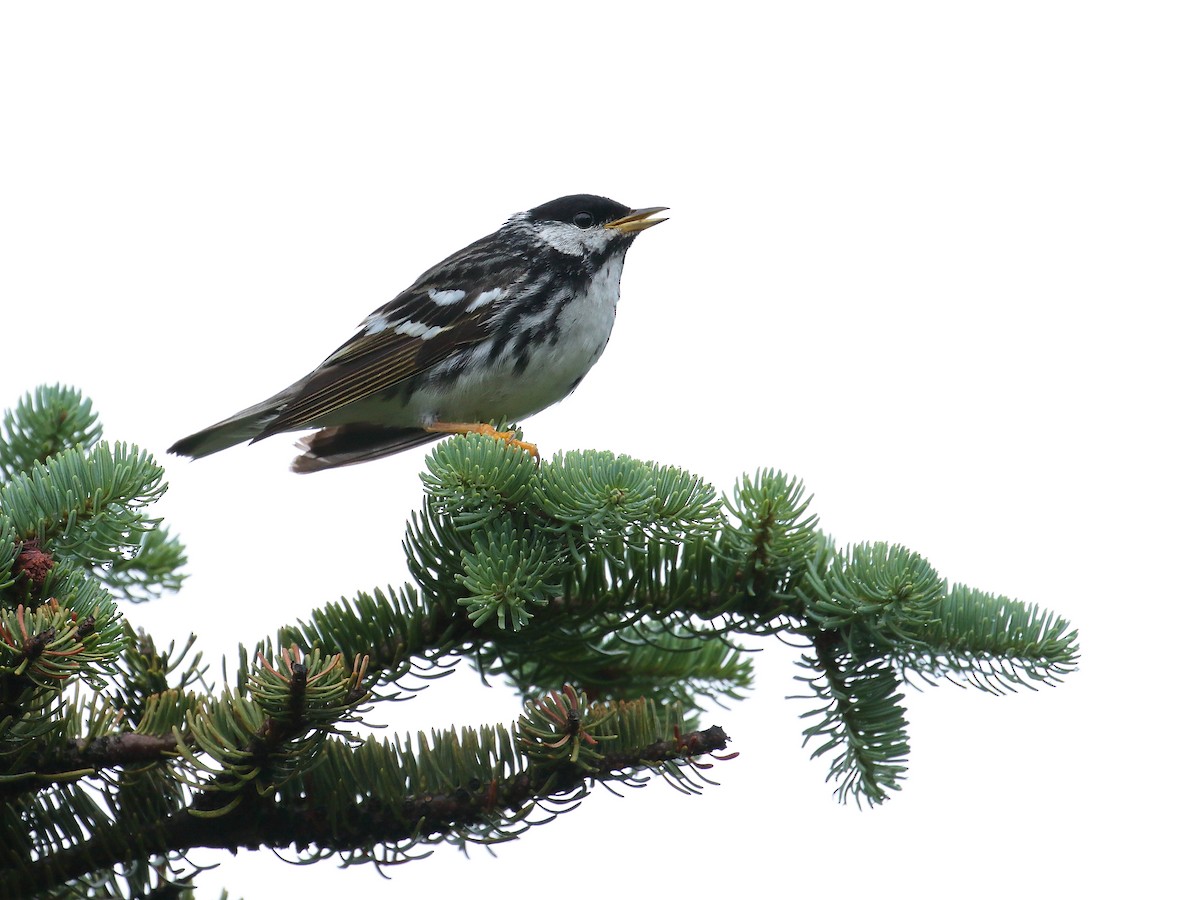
583	220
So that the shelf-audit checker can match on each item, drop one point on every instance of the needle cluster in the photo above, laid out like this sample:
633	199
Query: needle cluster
616	595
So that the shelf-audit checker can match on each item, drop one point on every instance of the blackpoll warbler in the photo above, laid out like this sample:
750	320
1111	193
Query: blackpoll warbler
500	330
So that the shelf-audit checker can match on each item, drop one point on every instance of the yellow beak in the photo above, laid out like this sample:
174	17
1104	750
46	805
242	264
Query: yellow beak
638	220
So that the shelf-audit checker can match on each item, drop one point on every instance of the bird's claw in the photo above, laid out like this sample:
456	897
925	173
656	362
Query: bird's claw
509	437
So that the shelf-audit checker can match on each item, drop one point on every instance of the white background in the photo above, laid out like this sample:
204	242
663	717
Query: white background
938	259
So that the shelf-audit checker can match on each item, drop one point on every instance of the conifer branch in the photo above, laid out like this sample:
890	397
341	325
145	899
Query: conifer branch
71	760
398	823
591	574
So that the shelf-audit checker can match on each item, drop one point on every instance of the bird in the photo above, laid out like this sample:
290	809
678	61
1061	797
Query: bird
496	332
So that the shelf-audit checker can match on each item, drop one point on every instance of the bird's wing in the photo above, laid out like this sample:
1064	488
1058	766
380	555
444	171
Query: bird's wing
448	309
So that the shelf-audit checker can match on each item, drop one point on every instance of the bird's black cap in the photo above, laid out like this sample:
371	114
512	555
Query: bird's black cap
579	208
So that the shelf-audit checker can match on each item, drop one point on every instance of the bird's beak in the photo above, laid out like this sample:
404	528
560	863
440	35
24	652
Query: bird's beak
638	220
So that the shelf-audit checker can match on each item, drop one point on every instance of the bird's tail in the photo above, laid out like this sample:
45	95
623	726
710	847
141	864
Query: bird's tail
237	429
345	445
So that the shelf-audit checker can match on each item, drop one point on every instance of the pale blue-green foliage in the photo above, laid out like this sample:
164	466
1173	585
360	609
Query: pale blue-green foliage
684	502
78	506
10	546
992	642
77	590
504	538
83	507
655	558
166	710
597	493
886	615
88	503
862	723
390	626
36	709
99	493
884	595
44	422
648	661
600	494
85	499
498	532
772	534
509	570
563	727
476	478
151	567
589	570
457	753
154	688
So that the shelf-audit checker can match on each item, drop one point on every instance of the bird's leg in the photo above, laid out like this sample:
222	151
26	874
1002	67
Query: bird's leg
509	437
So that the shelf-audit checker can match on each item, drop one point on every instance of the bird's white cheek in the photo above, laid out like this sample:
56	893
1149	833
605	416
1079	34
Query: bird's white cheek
575	241
562	237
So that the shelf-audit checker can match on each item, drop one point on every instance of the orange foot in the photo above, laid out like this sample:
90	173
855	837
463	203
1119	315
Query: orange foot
509	437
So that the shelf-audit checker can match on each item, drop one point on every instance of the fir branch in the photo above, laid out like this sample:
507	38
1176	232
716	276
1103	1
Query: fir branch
11	547
771	536
146	678
84	757
43	647
477	479
507	572
403	633
993	643
249	745
622	576
877	595
645	660
44	423
85	503
766	570
862	720
152	566
393	825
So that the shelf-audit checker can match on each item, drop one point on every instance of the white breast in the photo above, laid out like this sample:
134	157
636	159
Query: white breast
587	323
491	390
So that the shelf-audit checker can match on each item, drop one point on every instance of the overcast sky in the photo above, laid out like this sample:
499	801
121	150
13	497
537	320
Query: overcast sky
937	259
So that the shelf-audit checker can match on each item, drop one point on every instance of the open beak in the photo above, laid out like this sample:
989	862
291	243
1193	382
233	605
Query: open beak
638	220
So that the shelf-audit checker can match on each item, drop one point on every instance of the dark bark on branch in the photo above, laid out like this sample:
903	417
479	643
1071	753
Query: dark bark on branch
260	823
82	757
